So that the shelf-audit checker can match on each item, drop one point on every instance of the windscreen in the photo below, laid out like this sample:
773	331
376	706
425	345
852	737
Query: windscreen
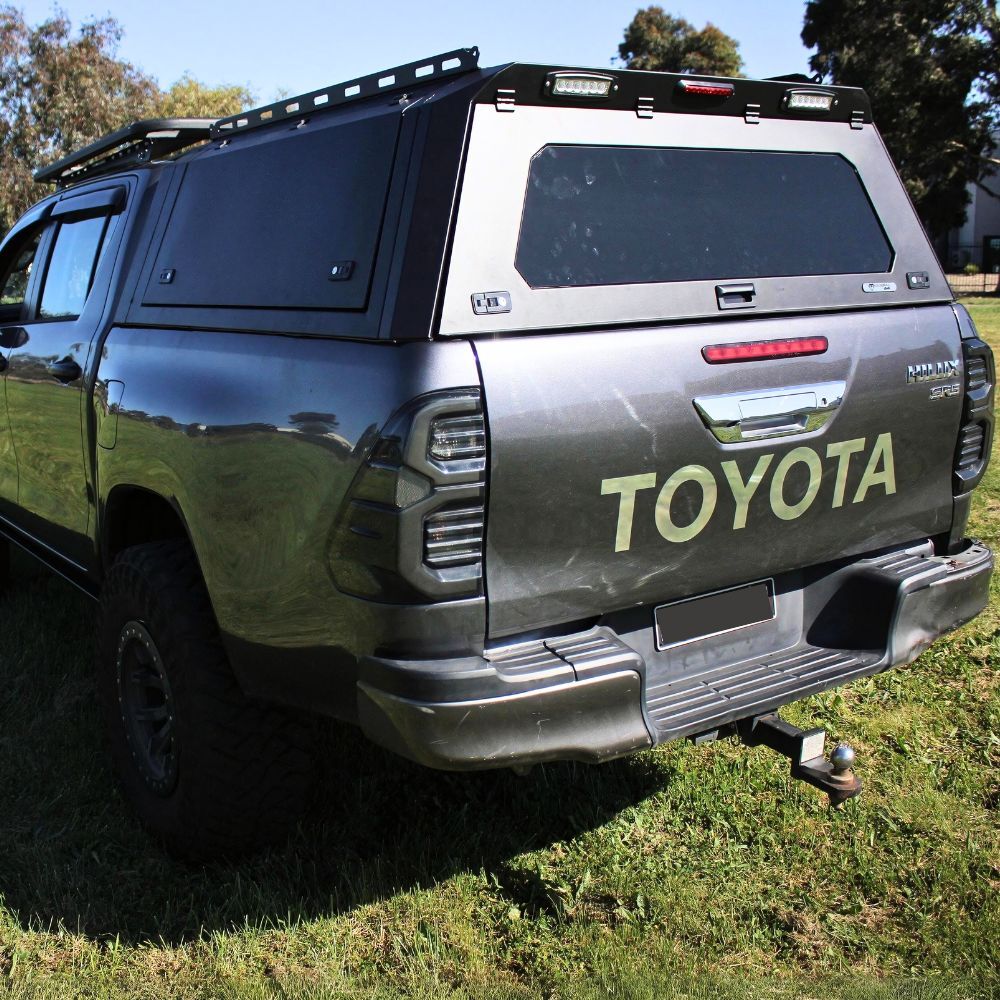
613	215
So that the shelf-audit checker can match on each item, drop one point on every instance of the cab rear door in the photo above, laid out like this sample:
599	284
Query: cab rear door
47	366
18	274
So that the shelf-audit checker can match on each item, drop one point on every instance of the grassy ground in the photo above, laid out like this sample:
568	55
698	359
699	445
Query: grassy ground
683	872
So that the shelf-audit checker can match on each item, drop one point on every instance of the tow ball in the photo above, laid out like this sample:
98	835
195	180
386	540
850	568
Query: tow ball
805	749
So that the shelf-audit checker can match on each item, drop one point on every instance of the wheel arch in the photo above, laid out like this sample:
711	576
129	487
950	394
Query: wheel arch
134	515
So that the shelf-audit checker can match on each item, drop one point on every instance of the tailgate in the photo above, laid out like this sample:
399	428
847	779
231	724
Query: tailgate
626	470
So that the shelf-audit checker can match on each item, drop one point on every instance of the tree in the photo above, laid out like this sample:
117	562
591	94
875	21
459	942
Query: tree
190	98
60	91
659	41
57	92
932	71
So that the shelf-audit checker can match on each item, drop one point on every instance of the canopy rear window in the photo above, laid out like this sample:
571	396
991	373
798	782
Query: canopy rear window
614	215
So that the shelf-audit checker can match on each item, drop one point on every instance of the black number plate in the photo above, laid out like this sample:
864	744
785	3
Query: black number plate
712	614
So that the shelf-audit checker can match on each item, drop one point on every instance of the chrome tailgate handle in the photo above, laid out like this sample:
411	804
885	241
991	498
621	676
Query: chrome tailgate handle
767	413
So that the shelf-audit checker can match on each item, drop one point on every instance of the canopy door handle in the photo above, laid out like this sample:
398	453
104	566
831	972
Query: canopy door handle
736	295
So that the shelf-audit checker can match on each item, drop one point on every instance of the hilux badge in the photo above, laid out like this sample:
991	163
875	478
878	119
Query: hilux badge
932	371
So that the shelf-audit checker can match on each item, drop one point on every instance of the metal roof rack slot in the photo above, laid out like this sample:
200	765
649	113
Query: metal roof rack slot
385	82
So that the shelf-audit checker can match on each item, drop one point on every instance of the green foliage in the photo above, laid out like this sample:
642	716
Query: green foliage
932	70
60	90
656	40
190	98
971	269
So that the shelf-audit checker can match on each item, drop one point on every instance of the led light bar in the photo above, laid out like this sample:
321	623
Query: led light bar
579	85
761	350
705	88
809	100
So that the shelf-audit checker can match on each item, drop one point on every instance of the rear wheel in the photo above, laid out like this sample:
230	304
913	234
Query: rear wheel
209	771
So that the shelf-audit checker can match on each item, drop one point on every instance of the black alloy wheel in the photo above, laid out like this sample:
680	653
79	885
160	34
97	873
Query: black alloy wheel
147	707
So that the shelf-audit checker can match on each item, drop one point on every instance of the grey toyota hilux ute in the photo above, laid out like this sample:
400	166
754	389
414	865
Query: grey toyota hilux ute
514	415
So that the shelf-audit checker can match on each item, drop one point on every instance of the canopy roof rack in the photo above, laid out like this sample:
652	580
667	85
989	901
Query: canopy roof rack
132	145
388	81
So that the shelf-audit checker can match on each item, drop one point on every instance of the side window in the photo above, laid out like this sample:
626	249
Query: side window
16	274
72	264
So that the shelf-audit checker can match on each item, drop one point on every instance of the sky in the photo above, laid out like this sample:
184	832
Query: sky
288	47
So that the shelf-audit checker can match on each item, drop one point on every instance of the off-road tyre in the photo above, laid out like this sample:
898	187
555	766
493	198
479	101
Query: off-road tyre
235	774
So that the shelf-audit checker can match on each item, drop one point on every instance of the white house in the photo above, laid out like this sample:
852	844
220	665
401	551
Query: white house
978	241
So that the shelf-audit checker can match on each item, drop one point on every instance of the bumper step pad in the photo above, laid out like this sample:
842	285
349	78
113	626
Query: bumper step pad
924	596
701	702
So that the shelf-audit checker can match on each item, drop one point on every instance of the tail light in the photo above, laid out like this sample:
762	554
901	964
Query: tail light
413	523
971	443
977	374
975	436
454	537
458	438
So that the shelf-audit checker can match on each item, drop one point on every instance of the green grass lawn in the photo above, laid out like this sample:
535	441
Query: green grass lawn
681	872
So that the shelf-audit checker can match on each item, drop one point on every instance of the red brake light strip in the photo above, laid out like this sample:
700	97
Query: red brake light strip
702	88
761	350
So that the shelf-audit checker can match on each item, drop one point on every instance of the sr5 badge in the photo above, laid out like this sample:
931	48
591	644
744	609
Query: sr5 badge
943	391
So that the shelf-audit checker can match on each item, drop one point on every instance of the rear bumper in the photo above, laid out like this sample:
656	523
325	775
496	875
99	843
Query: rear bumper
606	692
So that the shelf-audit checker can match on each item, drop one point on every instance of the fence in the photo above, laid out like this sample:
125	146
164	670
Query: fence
982	258
974	284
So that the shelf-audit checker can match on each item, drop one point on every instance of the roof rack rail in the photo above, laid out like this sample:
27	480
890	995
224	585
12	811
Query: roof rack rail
386	82
132	145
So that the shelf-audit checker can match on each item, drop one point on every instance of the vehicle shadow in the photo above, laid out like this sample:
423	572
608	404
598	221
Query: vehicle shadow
73	856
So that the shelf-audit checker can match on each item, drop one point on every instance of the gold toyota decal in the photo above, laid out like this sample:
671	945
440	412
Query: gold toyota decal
746	486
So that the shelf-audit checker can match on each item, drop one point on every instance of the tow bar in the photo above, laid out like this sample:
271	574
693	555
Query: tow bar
805	749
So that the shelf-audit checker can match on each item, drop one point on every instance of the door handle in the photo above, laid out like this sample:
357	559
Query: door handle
749	416
736	295
65	370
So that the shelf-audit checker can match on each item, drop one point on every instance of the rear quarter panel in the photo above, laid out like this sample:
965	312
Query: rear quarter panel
255	440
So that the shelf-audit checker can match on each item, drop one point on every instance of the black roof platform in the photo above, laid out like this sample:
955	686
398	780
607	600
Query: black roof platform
647	92
133	145
388	81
